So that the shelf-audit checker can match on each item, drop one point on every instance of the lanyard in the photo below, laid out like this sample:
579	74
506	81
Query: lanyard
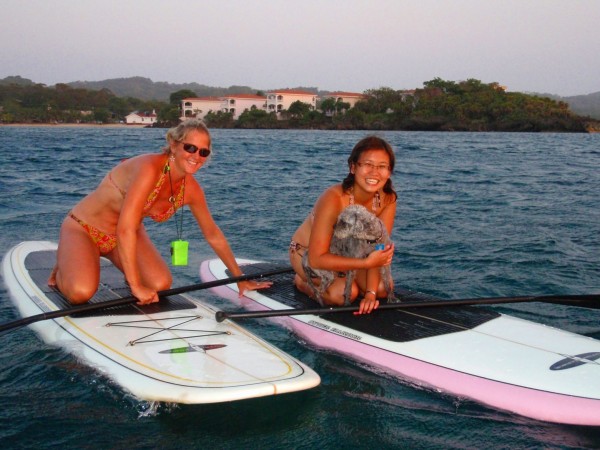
178	220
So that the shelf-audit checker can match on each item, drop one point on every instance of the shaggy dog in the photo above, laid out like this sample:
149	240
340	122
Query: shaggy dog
355	235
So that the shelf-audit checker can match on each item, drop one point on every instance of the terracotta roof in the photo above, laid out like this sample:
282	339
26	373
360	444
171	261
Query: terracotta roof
248	96
142	114
291	91
214	99
344	94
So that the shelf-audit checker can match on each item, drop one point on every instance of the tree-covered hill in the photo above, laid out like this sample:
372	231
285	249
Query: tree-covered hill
145	89
439	105
584	105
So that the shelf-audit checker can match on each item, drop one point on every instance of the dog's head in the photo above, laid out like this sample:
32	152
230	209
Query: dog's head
357	222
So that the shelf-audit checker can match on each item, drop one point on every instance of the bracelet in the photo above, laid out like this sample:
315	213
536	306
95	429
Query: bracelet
371	292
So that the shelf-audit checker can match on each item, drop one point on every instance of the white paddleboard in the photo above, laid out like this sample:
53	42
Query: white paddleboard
172	351
502	361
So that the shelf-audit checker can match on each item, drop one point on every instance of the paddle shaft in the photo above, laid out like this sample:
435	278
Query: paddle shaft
131	299
586	301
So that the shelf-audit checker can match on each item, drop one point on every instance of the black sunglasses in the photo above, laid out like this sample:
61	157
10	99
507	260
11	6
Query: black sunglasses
204	152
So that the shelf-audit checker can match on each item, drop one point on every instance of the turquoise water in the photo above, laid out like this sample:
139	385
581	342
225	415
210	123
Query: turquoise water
478	215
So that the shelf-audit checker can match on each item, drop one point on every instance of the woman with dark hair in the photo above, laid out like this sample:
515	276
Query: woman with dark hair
368	184
108	221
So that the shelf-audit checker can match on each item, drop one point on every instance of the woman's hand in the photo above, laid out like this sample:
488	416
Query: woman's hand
244	286
144	295
368	303
380	258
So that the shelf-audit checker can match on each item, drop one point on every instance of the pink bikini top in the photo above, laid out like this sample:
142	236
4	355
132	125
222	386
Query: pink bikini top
166	215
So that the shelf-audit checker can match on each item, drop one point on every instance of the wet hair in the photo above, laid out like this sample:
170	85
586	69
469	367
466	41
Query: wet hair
178	133
366	144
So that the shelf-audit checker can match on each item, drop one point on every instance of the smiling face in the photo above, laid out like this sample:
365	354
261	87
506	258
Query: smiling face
185	161
367	166
372	170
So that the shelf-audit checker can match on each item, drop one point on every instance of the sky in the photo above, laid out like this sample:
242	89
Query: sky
544	46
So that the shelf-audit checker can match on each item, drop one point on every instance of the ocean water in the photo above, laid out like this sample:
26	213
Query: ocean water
479	214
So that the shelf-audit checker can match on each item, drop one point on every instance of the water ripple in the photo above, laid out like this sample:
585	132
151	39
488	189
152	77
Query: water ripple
479	214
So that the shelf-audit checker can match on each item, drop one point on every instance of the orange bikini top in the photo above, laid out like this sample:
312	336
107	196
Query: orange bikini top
177	203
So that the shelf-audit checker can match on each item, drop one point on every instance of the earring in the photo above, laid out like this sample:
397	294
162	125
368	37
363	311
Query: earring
172	157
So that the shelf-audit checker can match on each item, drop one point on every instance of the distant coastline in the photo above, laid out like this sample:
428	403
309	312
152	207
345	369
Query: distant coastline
71	125
120	125
441	105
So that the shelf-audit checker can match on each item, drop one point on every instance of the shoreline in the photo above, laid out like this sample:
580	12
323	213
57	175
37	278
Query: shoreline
73	125
590	130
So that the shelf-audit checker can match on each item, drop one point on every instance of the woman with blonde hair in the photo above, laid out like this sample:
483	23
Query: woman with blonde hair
108	221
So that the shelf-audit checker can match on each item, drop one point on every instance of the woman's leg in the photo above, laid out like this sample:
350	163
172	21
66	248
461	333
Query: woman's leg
335	293
154	270
300	278
361	281
333	296
77	270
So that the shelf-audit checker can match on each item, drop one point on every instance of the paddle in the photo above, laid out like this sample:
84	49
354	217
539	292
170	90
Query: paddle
131	299
585	301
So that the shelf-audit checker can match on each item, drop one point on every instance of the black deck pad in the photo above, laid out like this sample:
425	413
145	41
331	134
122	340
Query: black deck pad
400	325
112	287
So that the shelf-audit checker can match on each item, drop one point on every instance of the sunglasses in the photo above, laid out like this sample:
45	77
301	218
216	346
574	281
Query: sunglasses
204	152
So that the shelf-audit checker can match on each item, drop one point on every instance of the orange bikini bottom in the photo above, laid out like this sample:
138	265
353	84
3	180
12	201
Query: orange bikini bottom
104	241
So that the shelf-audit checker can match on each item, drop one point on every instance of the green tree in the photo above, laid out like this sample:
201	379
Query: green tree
298	109
102	115
328	105
333	106
257	118
120	107
176	97
219	119
168	115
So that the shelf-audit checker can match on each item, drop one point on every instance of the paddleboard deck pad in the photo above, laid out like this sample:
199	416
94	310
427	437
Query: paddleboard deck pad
468	351
172	351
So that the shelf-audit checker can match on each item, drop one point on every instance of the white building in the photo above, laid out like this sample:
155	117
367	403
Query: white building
199	107
347	97
141	118
281	100
238	103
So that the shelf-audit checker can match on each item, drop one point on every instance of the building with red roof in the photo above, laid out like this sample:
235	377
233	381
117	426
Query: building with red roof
141	118
281	100
199	106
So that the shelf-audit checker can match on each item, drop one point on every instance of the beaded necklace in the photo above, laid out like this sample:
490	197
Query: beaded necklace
178	224
376	200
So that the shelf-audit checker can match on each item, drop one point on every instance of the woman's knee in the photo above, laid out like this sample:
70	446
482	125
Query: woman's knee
79	293
161	281
382	291
337	300
303	286
336	294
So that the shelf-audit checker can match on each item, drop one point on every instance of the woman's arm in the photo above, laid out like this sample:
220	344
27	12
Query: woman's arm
388	215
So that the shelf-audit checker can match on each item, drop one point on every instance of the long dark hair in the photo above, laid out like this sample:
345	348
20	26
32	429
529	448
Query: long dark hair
365	144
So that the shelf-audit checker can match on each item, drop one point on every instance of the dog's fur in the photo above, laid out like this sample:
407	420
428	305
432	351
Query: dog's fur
355	235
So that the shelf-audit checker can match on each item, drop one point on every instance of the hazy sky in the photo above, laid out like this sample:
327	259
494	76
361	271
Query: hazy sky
546	46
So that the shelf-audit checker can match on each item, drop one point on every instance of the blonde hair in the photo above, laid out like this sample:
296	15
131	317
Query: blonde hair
178	133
